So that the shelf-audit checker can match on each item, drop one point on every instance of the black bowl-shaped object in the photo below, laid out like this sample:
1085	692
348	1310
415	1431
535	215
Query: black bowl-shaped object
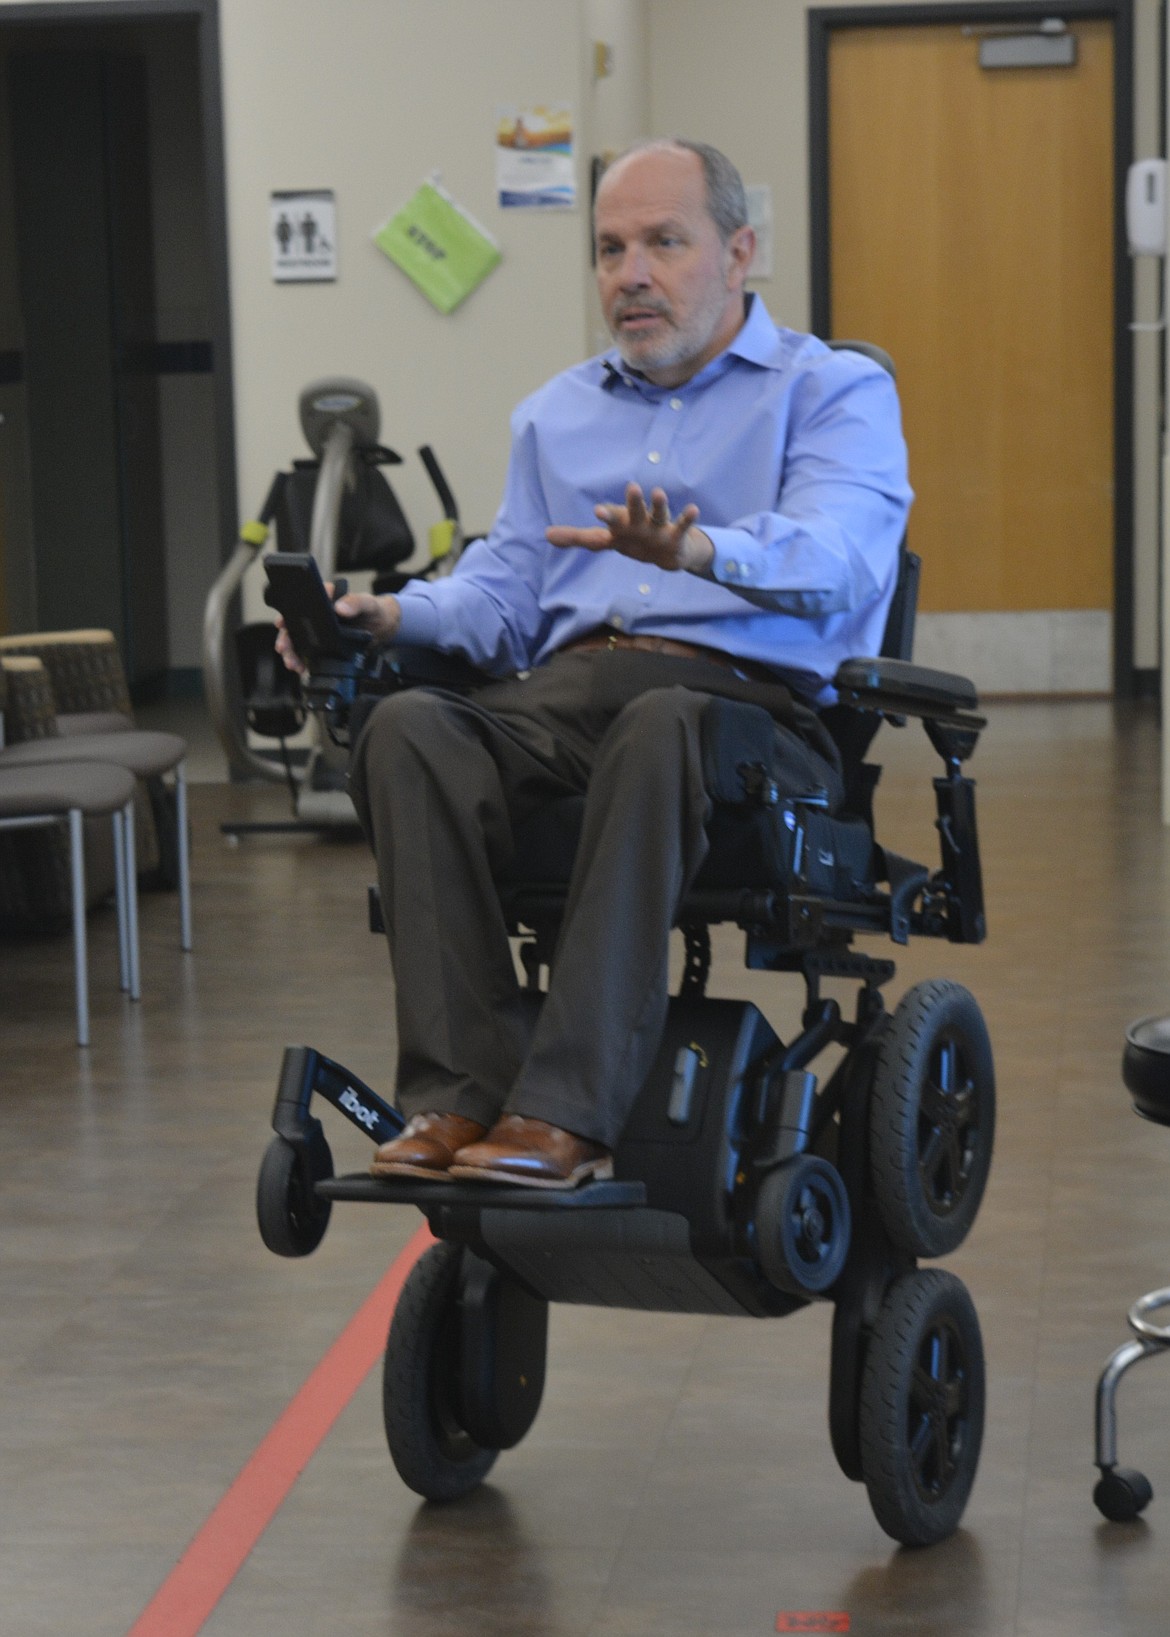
1145	1067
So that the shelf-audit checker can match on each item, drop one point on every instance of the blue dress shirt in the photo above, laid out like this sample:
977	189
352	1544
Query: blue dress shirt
793	454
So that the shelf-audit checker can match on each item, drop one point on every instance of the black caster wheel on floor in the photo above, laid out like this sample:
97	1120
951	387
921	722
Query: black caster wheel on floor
292	1218
803	1225
421	1392
922	1398
1122	1494
932	1118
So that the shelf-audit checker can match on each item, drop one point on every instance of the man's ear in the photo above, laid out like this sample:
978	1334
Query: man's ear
741	247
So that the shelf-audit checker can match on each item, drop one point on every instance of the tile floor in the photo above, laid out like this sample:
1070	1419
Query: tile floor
678	1480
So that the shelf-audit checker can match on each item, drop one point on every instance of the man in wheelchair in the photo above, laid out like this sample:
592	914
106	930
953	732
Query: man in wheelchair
663	722
712	511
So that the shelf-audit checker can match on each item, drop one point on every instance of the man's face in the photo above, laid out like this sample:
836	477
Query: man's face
671	289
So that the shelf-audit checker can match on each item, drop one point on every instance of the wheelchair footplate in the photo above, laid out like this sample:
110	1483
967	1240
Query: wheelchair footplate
662	1234
428	1194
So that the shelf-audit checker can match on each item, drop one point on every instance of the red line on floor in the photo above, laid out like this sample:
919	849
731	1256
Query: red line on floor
207	1568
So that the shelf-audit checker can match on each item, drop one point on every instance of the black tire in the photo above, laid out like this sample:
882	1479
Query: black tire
1122	1494
420	1391
922	1398
803	1225
932	1118
292	1218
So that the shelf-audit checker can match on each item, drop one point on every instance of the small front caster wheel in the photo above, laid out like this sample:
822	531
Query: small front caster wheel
1122	1494
803	1225
292	1218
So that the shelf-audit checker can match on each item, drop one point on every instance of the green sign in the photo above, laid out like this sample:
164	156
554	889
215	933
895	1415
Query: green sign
438	246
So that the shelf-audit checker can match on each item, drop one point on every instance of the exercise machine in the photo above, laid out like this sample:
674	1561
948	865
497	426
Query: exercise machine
338	507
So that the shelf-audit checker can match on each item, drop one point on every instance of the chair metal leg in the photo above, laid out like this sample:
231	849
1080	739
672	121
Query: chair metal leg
131	869
77	875
184	856
118	820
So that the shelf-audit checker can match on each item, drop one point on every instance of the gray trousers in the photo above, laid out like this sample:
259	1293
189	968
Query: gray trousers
440	782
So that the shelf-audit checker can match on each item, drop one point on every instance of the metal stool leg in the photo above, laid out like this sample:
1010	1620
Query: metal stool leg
1123	1492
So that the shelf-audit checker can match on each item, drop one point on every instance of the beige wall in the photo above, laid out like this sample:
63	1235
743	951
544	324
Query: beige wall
616	109
368	97
734	72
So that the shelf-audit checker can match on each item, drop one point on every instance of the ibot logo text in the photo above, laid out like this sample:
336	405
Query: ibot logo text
349	1099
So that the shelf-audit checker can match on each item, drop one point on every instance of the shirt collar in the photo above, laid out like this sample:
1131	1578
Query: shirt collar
757	342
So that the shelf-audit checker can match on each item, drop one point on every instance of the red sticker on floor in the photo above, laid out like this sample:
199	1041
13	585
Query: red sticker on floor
812	1620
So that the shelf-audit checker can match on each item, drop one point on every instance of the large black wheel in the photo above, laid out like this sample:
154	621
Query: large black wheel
932	1118
922	1397
291	1217
420	1388
803	1224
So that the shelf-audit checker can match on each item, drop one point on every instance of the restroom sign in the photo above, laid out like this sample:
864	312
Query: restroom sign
302	230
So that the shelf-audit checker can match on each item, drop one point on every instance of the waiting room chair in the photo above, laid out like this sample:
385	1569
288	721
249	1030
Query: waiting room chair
66	793
83	669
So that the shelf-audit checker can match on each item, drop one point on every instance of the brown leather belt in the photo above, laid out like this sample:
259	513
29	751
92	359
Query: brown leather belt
604	638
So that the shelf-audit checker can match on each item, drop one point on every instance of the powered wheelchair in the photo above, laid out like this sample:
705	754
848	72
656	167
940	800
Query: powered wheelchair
742	1185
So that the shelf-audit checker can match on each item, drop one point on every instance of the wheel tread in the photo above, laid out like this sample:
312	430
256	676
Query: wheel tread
908	1308
290	1223
408	1385
902	1061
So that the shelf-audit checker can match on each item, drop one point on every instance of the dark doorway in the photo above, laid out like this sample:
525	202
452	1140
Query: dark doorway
117	485
80	149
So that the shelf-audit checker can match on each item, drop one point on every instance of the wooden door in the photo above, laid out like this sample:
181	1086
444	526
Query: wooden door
971	234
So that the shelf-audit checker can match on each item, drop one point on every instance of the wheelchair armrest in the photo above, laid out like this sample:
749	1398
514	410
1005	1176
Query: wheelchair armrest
899	686
946	705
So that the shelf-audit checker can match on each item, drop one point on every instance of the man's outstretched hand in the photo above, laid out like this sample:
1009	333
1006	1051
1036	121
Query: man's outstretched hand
648	533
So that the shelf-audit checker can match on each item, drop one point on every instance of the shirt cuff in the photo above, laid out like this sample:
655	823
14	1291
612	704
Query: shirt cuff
737	557
419	625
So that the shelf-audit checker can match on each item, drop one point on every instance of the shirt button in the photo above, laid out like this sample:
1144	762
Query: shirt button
654	456
676	403
731	567
645	590
617	622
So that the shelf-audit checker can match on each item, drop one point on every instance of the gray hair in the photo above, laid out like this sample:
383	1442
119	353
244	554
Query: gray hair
726	199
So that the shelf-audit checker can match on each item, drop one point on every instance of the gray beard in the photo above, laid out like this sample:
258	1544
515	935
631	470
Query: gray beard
679	348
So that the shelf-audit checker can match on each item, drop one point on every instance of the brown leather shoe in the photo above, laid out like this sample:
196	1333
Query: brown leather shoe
426	1146
533	1154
